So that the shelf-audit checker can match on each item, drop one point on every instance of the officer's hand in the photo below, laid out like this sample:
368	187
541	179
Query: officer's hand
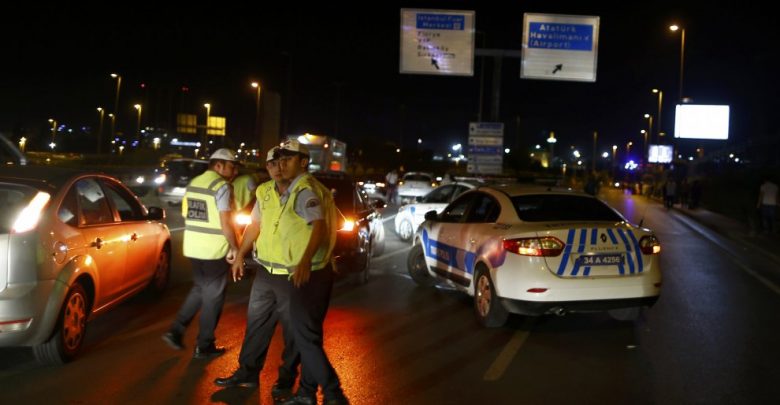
231	256
237	269
302	273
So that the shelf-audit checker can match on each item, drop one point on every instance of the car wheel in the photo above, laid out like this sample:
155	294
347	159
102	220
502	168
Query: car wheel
69	331
487	306
418	270
405	230
162	273
625	314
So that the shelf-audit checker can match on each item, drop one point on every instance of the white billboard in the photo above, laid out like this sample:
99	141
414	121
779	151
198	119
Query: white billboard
560	47
437	42
660	153
699	121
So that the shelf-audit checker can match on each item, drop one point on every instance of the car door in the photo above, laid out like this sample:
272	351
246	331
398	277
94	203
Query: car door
478	234
104	239
142	236
439	238
436	200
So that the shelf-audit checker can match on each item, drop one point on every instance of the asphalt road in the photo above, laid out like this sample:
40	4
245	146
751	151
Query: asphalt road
709	339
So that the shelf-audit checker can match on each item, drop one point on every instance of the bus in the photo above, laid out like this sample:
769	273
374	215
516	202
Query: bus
326	153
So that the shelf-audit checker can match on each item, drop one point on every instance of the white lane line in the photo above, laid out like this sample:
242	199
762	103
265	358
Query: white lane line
500	364
181	228
388	218
396	253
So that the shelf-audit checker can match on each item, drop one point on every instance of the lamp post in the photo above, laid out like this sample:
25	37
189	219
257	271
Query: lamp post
206	126
53	128
101	111
595	141
649	132
674	28
116	99
257	86
138	108
22	143
551	140
113	122
658	124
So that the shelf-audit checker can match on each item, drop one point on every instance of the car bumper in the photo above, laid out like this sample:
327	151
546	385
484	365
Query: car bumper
38	302
536	308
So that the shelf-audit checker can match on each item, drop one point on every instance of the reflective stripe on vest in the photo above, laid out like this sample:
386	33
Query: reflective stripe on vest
203	237
284	235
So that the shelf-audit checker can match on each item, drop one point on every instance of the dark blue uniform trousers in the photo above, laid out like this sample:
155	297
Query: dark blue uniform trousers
207	296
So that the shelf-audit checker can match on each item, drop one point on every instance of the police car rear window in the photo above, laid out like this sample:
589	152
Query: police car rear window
552	207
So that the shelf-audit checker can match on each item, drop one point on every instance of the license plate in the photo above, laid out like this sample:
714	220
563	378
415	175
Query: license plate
616	259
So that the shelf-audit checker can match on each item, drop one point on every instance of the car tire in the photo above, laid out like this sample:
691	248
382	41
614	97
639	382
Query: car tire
162	272
487	306
417	267
405	230
625	314
69	332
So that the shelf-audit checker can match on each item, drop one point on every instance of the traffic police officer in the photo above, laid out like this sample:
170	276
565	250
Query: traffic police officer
270	295
303	233
210	244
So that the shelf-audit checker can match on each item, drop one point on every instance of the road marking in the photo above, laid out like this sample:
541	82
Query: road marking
404	250
500	364
388	218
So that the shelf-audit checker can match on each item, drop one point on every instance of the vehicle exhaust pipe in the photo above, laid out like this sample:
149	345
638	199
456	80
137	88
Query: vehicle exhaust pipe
559	311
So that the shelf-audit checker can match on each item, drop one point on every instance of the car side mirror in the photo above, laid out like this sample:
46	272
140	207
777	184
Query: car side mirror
419	198
155	214
431	216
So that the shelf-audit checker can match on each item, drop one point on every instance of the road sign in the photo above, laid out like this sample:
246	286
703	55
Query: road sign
560	47
485	150
486	140
437	42
486	129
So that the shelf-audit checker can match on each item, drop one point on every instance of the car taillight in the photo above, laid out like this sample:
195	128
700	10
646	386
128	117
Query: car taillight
650	245
546	246
347	226
28	218
243	219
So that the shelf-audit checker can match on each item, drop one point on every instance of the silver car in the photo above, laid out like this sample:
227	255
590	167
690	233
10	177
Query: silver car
72	245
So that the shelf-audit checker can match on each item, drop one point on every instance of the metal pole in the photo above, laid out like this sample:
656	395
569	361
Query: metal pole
682	62
100	131
595	140
494	110
660	101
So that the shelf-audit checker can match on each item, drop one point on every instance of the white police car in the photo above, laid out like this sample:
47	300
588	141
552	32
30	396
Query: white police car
410	216
532	250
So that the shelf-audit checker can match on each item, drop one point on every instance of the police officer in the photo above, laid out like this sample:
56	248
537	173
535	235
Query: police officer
270	295
244	186
303	235
210	244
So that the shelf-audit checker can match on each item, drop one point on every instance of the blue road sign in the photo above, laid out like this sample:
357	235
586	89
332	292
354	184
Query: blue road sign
569	37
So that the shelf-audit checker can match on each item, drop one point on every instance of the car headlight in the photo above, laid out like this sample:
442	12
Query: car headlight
140	179
160	179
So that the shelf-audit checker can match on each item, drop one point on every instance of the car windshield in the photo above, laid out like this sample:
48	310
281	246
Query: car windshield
342	193
13	199
417	177
558	207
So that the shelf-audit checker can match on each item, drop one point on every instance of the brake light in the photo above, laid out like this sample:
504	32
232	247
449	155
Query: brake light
547	246
28	219
650	245
347	226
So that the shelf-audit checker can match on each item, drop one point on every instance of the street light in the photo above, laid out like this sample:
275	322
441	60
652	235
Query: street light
206	127
138	127
116	98
113	122
256	85
649	118
22	143
53	128
674	28
658	124
100	130
551	140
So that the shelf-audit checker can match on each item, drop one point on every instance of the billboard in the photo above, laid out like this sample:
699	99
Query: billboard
699	121
660	154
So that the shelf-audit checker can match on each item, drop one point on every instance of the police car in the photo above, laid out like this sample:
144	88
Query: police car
410	216
533	250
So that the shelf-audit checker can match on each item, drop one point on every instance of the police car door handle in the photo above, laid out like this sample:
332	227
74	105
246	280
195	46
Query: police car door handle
97	243
134	237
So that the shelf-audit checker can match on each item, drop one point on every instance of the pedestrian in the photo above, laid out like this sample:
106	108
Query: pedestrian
269	298
303	233
391	180
767	203
670	193
210	244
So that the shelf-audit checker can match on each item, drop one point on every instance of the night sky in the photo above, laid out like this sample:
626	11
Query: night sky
342	66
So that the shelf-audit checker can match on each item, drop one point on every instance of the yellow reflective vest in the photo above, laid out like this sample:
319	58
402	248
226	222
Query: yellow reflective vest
242	195
203	237
284	235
